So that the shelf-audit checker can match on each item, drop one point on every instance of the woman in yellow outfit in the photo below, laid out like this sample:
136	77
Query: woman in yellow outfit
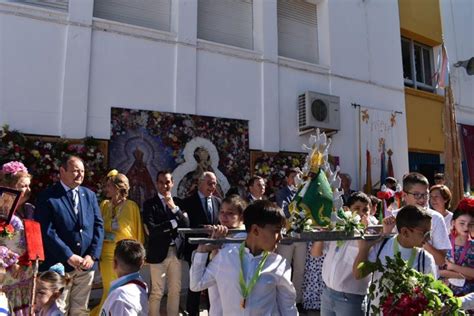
121	221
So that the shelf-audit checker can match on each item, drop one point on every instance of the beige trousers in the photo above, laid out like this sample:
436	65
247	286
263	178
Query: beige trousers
169	269
295	254
75	298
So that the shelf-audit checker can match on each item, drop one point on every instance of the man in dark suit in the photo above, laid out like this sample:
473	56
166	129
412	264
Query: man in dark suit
73	232
162	216
256	187
346	181
295	253
203	209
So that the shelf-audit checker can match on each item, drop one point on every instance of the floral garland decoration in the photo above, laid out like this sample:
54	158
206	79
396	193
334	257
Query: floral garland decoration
405	291
43	158
6	230
273	168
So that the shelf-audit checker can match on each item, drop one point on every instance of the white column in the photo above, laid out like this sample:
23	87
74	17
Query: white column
184	24
266	42
75	91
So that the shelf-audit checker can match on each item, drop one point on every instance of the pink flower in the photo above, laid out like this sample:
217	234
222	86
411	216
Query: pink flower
13	167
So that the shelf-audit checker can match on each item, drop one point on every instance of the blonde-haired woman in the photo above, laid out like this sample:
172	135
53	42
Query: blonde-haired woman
121	221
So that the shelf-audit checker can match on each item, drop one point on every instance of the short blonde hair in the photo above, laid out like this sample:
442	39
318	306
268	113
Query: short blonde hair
120	181
11	179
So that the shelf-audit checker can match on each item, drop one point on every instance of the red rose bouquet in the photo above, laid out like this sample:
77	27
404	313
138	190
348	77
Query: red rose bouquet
403	291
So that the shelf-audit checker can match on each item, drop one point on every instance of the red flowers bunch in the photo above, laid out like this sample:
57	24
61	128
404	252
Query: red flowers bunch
403	291
408	304
466	205
6	230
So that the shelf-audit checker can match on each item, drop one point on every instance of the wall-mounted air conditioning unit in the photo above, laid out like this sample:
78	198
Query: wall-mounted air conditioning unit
318	110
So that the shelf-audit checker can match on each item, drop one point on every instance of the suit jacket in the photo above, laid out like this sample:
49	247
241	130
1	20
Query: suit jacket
199	217
285	195
157	219
64	232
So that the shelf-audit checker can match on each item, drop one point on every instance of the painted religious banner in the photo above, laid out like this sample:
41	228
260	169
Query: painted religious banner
144	142
376	146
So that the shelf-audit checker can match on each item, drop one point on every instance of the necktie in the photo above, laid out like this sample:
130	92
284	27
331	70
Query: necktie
209	208
75	200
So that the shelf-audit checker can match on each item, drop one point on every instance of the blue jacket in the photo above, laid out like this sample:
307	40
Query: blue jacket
64	232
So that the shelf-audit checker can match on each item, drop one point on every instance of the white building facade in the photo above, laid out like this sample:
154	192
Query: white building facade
458	27
65	64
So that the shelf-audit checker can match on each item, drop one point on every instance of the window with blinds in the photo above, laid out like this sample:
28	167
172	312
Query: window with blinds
226	21
154	14
297	30
51	4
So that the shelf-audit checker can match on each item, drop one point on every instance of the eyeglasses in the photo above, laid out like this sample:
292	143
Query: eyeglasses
418	196
426	234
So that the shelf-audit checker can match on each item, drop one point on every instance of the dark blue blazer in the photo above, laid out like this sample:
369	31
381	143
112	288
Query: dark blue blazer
64	232
285	195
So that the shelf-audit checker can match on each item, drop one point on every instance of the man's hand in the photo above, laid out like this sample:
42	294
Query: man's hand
168	199
87	263
75	261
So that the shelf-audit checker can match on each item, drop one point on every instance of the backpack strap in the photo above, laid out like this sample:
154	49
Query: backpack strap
421	261
372	279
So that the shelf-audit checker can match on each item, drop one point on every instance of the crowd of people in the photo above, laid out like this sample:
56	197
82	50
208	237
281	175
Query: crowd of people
260	275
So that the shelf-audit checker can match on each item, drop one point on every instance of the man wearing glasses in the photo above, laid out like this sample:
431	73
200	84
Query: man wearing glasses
416	192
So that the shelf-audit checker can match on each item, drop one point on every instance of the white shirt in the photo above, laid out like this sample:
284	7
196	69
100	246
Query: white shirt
127	300
447	220
440	236
273	294
215	308
387	251
337	269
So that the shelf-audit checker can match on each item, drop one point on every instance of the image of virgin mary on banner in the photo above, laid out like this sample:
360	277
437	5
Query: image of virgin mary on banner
145	142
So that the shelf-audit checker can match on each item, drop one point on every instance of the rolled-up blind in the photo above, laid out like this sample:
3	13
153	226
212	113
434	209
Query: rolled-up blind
155	14
297	30
53	4
226	21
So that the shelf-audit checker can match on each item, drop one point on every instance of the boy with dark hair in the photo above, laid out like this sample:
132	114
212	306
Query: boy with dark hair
414	230
128	294
251	278
416	192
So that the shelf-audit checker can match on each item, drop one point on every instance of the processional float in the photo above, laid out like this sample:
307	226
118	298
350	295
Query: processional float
316	211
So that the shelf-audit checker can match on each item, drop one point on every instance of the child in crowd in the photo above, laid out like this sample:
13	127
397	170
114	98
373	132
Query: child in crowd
250	277
231	216
49	287
128	294
414	230
415	192
344	295
459	268
375	204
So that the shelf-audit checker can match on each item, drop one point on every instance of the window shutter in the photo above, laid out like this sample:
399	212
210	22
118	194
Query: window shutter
226	21
297	30
53	4
153	14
